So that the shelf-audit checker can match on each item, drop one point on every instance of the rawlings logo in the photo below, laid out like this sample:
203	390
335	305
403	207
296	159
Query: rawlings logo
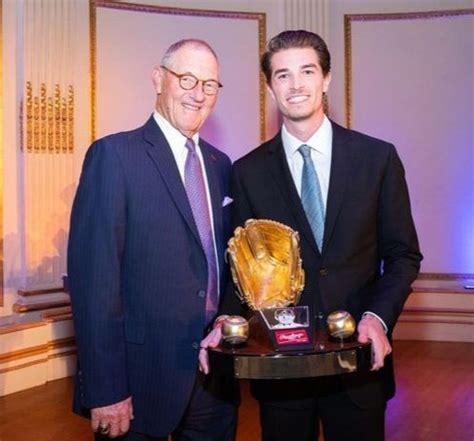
291	337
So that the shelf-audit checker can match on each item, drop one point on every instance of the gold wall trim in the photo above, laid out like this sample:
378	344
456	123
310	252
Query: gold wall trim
61	343
49	119
94	4
449	321
1	155
58	315
37	292
37	350
59	318
446	276
442	290
15	327
349	18
23	353
27	307
348	68
23	366
442	283
29	116
42	360
63	354
58	312
437	315
438	310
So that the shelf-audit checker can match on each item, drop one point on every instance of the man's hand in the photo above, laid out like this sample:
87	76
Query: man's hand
116	417
370	329
211	340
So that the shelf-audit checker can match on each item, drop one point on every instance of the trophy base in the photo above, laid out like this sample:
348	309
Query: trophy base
231	345
351	339
258	359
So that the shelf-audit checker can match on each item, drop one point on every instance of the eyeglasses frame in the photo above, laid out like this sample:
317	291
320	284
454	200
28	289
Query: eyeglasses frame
188	74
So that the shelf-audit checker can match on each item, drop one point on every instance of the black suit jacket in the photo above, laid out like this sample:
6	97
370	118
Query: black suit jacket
138	275
370	252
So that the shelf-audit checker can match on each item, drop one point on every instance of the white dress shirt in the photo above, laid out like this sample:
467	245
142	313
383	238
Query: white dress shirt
177	141
321	154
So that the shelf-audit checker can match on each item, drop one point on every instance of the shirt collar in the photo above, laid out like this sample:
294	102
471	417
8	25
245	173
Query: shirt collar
321	140
172	135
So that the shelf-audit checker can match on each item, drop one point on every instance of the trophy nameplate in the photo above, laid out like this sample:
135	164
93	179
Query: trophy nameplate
289	327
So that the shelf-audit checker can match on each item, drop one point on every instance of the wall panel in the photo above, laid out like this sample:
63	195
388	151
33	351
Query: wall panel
409	80
122	88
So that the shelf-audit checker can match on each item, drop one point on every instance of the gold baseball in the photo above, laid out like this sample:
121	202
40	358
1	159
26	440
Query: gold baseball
340	324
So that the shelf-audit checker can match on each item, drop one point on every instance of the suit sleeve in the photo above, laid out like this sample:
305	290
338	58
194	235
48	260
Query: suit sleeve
96	243
397	245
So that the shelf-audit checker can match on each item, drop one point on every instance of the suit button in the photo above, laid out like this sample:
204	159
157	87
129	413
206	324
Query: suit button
202	293
323	272
195	345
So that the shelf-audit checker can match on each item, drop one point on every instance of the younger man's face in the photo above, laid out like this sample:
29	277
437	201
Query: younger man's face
297	84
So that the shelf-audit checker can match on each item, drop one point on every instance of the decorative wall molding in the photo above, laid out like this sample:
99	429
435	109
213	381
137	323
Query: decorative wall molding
442	315
36	352
392	76
19	307
23	353
350	18
94	4
446	276
444	283
38	292
42	300
16	327
48	118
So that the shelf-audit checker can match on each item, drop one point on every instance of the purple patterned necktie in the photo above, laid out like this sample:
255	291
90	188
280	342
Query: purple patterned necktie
197	196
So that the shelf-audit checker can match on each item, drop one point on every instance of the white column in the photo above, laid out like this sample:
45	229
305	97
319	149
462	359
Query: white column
311	15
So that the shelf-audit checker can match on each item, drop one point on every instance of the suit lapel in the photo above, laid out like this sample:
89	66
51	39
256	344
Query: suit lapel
280	171
343	156
160	153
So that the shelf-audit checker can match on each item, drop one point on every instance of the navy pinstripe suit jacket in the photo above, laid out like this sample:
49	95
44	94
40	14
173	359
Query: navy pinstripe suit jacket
138	276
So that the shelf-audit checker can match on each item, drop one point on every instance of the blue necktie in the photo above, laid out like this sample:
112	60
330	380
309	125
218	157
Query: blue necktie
311	196
197	196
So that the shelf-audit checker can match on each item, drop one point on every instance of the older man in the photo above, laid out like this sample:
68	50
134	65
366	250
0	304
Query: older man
148	231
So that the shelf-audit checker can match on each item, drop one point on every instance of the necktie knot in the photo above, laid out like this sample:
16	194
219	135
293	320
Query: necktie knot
190	145
305	151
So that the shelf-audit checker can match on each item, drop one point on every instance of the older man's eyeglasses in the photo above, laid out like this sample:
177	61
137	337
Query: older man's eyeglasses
188	81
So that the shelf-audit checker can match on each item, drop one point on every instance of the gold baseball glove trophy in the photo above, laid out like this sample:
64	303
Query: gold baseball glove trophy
265	262
266	266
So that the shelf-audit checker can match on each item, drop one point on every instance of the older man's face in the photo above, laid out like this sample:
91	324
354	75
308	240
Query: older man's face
186	110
